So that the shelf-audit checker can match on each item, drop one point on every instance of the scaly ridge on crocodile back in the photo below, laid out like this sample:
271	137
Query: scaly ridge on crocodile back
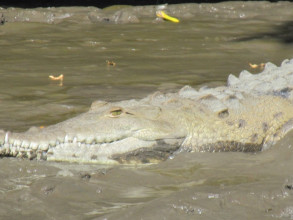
249	114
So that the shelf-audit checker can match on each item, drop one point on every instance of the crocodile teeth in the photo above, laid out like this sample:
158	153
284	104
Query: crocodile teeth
66	139
33	145
80	138
13	151
31	155
2	136
52	143
59	140
50	151
17	142
25	144
89	140
43	146
6	137
10	140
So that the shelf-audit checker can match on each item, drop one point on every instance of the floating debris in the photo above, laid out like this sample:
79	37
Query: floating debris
254	66
162	14
60	77
110	63
57	78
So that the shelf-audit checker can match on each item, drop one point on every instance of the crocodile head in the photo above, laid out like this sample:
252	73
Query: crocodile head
122	132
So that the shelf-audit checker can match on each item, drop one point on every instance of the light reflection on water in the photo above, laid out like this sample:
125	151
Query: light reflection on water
149	56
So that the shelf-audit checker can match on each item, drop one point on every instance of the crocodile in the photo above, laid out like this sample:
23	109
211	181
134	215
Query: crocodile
248	114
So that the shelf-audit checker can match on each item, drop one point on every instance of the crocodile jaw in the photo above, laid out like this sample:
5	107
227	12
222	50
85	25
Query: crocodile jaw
129	150
36	143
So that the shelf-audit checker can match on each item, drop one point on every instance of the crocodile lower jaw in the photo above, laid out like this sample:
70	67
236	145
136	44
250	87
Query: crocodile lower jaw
112	152
129	150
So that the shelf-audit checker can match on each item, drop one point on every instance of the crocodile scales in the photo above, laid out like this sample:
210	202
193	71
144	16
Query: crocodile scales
249	114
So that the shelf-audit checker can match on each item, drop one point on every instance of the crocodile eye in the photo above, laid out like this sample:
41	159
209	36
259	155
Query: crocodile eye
116	112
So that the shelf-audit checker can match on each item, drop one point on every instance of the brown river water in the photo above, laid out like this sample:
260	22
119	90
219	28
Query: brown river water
210	42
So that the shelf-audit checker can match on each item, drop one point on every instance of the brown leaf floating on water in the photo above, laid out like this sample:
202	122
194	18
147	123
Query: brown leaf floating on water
110	63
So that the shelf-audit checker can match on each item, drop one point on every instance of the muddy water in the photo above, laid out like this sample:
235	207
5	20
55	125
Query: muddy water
210	42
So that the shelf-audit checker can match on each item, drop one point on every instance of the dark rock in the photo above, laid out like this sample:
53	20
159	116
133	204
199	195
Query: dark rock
2	19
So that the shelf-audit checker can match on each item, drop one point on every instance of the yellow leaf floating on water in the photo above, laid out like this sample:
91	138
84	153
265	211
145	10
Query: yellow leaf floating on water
60	77
162	14
254	66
